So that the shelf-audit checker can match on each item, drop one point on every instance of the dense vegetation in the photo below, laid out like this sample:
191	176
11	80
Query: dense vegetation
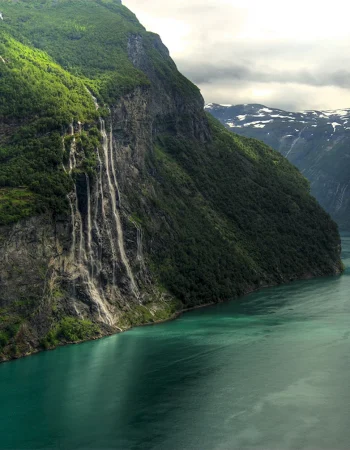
70	329
51	52
317	142
38	102
239	215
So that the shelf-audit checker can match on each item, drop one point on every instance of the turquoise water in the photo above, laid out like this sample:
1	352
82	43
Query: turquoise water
271	371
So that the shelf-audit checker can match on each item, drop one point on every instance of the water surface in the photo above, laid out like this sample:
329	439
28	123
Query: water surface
271	371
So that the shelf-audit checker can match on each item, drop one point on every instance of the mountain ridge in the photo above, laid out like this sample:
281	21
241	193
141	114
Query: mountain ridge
122	202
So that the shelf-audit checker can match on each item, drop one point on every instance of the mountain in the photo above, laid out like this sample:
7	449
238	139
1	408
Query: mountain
317	142
121	201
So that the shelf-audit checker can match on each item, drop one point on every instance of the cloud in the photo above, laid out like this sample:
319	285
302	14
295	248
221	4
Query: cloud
212	73
293	54
286	96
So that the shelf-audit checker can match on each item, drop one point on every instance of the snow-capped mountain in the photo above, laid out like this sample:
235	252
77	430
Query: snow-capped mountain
317	142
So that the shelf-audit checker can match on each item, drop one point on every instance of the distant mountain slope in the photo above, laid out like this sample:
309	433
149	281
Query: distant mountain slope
317	142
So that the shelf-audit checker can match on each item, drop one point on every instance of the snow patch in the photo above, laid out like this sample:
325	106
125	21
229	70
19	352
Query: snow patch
336	112
280	116
257	122
232	125
335	125
265	110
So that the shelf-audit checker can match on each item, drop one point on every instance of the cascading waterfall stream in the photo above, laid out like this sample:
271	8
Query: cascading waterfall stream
341	198
99	198
102	216
72	158
119	200
295	142
89	223
139	243
105	221
107	144
83	254
139	238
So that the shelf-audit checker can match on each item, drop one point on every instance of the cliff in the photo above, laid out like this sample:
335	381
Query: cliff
121	201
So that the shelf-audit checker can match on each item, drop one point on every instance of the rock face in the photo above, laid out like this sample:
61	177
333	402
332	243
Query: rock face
317	142
157	208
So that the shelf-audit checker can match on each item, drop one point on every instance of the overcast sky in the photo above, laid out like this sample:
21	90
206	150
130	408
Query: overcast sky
292	54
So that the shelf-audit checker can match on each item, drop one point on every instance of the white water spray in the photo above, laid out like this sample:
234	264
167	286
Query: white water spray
86	250
81	249
107	145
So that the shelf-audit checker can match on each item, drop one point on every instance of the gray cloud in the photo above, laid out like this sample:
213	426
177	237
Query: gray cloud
211	73
253	52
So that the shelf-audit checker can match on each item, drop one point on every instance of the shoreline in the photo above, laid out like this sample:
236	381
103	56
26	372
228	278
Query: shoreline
175	316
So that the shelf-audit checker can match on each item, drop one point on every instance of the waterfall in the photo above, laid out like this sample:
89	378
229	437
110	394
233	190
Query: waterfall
86	260
73	250
72	158
139	238
74	238
101	218
107	144
97	200
119	200
341	198
94	99
83	265
89	223
139	243
295	142
81	249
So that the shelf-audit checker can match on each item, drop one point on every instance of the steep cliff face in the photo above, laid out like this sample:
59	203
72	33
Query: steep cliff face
122	202
317	142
